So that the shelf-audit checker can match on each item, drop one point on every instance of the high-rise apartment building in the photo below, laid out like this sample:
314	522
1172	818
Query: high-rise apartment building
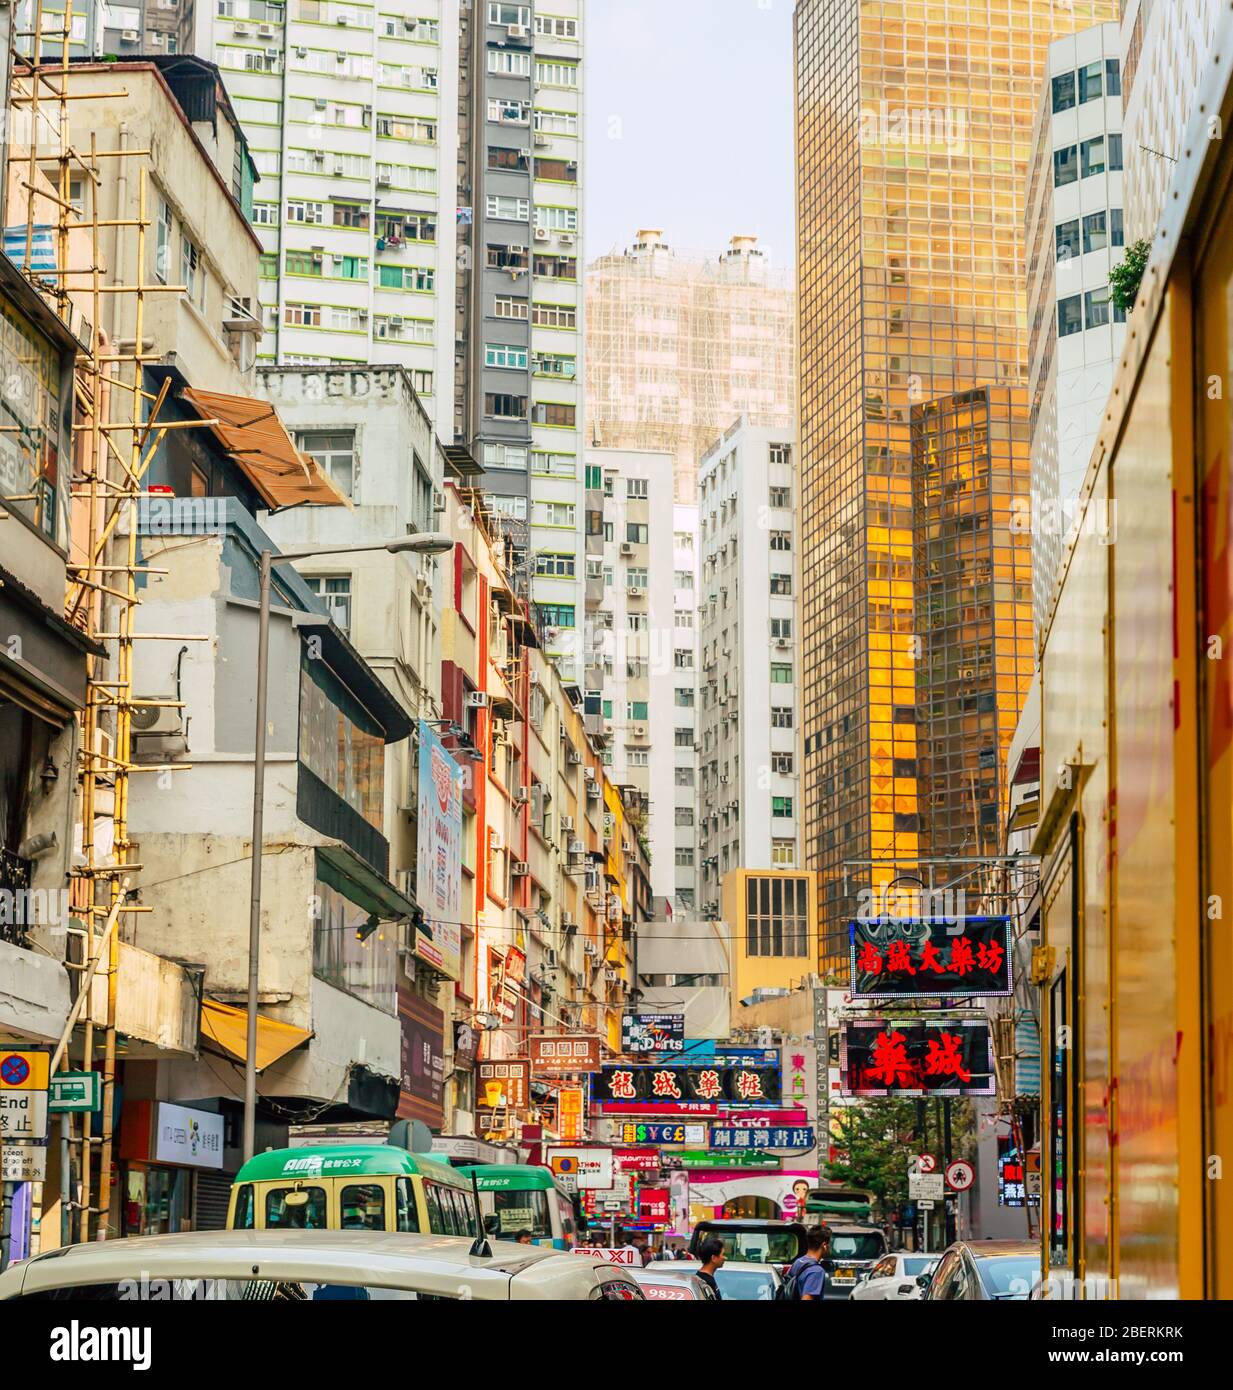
679	346
749	802
518	327
913	130
1164	49
640	655
1075	235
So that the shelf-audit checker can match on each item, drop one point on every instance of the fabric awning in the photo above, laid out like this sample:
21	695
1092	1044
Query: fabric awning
250	430
227	1028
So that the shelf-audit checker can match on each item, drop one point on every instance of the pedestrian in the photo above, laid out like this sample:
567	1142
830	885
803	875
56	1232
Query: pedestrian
711	1253
639	1241
807	1277
524	1238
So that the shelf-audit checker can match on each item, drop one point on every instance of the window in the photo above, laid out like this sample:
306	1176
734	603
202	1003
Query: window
781	628
594	477
683	660
1096	308
1064	91
351	215
267	266
781	673
781	716
504	111
502	157
556	74
1069	316
1115	152
554	465
683	737
1113	78
554	514
304	263
780	453
636	709
265	214
554	413
309	1216
335	594
1091	81
556	28
780	496
776	916
683	579
684	697
1092	155
636	489
162	253
509	62
1067	238
192	272
556	614
504	406
782	763
637	757
684	857
637	577
555	565
301	210
556	364
506	209
683	618
557	170
684	776
637	532
334	451
781	583
549	267
783	852
505	355
554	315
506	456
1117	235
638	622
406	1216
515	506
1065	166
362	1207
556	122
781	540
506	307
509	14
1094	233
499	257
781	807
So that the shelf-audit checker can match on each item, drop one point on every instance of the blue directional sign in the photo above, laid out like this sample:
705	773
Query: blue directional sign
757	1137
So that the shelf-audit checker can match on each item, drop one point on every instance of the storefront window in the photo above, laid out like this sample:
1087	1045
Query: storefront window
158	1201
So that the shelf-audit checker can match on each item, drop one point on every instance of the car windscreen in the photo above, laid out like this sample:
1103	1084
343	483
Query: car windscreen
758	1247
745	1285
1008	1276
914	1265
856	1247
144	1288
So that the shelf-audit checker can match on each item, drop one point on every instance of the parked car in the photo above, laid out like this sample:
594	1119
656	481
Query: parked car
300	1266
680	1284
894	1277
740	1281
984	1270
752	1242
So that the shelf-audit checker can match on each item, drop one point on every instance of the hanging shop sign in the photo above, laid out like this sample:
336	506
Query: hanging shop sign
438	873
193	1138
654	1205
916	1057
641	1033
661	1134
553	1055
676	1085
571	1114
914	957
756	1137
504	1084
422	1075
591	1169
638	1160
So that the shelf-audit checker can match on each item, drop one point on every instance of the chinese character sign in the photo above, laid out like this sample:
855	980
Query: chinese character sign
504	1085
438	874
654	1205
908	1056
571	1113
752	1137
564	1054
674	1085
653	1033
904	958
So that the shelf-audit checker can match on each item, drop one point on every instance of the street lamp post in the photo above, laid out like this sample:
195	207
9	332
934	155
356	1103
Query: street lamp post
422	543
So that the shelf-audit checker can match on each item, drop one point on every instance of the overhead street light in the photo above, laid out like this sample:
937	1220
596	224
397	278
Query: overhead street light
417	543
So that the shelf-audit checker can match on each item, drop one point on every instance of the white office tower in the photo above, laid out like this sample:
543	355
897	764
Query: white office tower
685	705
749	703
351	113
1165	46
1075	234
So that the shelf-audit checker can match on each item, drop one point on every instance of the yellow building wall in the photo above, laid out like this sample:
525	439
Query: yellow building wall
751	972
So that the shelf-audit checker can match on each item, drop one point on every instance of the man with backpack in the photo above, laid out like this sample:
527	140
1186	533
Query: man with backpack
807	1277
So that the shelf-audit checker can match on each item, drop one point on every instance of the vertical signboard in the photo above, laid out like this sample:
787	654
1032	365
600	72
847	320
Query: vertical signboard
439	855
423	1060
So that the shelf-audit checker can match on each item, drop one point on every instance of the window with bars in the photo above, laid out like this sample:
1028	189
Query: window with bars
777	915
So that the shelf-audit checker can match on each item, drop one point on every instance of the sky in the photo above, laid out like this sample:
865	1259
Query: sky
689	123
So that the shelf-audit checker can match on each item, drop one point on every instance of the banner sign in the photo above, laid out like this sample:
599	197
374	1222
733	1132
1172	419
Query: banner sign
916	1057
661	1134
748	1137
653	1033
590	1168
738	1158
638	1160
707	1052
423	1060
438	872
911	957
564	1054
654	1205
674	1085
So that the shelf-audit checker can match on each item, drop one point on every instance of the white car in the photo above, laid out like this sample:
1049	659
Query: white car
894	1278
740	1281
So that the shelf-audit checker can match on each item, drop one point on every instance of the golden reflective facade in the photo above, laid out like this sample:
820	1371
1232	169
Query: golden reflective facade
914	130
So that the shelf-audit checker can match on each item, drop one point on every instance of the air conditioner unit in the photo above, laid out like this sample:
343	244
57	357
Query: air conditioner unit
342	19
396	321
635	591
589	948
156	39
782	643
273	54
610	975
967	673
567	238
574	757
518	31
339	167
239	28
522	795
577	849
156	719
541	139
341	55
567	822
320	103
130	36
438	500
301	51
519	868
385	180
626	548
724	779
542	234
266	31
638	730
410	24
477	699
550	957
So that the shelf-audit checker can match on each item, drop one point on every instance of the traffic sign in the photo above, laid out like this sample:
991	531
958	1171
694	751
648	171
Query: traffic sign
927	1163
23	1115
76	1090
960	1175
929	1186
23	1163
926	1205
23	1071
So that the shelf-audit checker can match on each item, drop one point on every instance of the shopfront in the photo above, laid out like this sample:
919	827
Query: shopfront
167	1152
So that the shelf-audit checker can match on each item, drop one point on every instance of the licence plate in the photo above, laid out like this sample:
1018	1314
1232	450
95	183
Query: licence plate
845	1275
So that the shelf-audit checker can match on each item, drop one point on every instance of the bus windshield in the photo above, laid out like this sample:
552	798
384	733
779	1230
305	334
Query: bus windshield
519	1209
